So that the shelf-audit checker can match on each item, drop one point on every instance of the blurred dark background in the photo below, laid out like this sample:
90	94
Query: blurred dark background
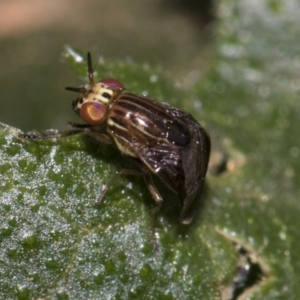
175	35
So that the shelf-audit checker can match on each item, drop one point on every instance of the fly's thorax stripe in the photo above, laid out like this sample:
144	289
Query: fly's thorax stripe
132	132
142	105
138	114
146	119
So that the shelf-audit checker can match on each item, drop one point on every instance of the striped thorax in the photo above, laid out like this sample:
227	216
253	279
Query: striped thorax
136	119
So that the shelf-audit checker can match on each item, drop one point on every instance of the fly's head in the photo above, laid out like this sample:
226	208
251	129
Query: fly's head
94	99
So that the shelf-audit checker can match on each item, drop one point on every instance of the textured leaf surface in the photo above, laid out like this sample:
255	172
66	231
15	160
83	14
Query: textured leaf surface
61	246
252	99
56	244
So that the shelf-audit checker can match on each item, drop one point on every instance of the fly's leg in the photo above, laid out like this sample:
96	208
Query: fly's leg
113	180
152	189
48	135
78	128
76	125
97	136
158	200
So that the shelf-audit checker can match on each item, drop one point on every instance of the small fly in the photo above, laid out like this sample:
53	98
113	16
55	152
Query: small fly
165	141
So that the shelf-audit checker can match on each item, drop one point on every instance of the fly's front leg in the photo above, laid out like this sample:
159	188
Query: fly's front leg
48	135
78	128
76	125
95	135
53	134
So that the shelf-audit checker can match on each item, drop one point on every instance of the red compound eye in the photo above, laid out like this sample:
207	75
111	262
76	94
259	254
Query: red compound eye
113	84
93	113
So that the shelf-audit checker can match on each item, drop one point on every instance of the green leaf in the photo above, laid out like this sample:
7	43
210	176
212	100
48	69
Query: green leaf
251	98
57	244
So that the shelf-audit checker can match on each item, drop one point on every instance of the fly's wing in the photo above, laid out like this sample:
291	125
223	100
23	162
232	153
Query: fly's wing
195	158
169	141
181	168
164	160
153	132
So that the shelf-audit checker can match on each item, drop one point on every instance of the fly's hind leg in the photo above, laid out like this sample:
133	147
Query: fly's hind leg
152	189
114	179
158	200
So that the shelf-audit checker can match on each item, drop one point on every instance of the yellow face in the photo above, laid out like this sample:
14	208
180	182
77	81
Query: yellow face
93	103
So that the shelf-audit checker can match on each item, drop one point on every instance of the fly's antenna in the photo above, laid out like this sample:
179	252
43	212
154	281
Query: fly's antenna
90	69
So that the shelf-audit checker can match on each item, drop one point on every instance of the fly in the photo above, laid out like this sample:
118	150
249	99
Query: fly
165	141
